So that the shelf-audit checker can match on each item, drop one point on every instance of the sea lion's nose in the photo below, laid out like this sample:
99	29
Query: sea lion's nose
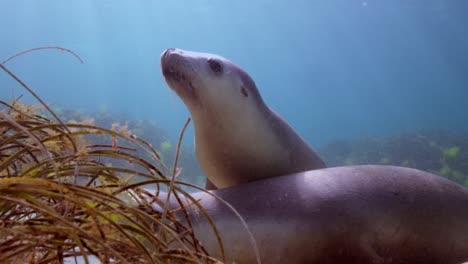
167	52
172	53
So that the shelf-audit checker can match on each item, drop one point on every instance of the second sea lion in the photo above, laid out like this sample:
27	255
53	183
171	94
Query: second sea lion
368	214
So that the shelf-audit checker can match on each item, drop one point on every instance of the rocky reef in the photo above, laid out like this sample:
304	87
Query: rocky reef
442	152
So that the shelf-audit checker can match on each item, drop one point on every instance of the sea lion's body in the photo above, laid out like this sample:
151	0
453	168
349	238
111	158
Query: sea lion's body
357	214
238	137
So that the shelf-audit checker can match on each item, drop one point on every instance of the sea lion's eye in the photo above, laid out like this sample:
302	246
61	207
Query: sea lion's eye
215	66
244	91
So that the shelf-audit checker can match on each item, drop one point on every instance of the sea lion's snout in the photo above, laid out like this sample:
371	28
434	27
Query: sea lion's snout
169	65
172	54
167	51
178	71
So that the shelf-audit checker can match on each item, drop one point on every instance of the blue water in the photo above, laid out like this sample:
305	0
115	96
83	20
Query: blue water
333	69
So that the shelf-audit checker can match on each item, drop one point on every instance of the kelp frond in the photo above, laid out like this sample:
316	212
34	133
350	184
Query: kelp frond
63	195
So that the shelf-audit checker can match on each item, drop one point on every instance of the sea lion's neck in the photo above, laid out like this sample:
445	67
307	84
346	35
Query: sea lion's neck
234	151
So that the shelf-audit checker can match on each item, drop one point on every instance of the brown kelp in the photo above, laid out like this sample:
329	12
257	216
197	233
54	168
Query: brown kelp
63	197
152	132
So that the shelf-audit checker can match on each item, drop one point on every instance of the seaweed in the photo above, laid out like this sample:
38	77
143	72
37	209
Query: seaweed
155	135
62	198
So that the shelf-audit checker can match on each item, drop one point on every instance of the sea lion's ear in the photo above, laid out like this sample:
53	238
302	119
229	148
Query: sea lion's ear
244	91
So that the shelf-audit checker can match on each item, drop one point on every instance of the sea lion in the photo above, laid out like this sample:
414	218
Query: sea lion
238	138
357	214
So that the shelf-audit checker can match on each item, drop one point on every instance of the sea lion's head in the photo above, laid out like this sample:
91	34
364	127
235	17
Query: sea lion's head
238	137
208	83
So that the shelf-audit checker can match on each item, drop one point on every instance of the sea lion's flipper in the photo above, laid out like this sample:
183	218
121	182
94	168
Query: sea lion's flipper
209	185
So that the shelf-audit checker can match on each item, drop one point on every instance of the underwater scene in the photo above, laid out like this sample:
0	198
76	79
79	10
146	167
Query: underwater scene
98	154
